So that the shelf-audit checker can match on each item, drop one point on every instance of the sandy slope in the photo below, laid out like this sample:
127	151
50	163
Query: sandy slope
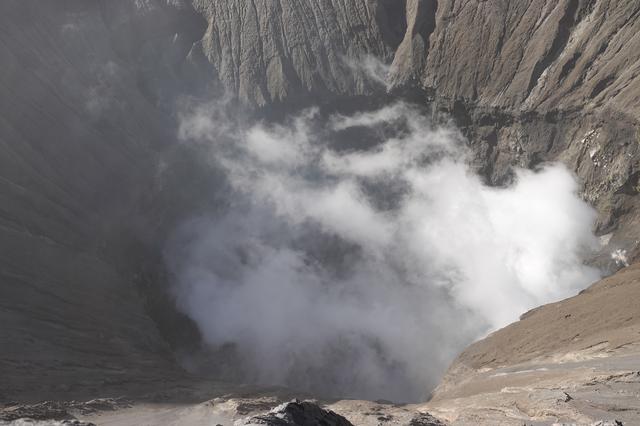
577	359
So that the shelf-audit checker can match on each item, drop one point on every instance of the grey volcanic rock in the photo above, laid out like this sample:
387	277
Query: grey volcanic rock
59	413
265	51
297	413
410	57
424	419
538	55
514	56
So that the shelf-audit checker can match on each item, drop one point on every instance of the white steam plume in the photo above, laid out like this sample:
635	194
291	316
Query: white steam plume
361	272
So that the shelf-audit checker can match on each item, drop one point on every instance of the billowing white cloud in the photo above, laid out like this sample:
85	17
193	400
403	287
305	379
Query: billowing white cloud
362	272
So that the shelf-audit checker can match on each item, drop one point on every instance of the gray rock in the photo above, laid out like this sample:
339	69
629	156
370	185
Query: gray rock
425	419
48	412
267	51
538	55
297	413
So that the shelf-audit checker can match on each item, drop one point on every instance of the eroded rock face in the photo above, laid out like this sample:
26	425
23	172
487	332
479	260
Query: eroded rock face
539	55
267	51
535	56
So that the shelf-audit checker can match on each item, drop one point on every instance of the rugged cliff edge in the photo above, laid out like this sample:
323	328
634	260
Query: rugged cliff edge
89	165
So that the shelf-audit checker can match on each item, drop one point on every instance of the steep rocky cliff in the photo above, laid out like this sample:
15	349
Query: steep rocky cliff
540	80
528	81
278	51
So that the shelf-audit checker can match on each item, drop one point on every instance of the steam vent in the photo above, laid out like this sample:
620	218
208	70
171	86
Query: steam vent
320	212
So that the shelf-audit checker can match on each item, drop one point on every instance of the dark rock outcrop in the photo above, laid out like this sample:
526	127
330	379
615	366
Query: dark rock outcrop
47	412
298	413
425	419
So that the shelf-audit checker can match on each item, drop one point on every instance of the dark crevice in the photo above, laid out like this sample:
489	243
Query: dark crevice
631	185
601	86
426	21
569	66
392	20
565	25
